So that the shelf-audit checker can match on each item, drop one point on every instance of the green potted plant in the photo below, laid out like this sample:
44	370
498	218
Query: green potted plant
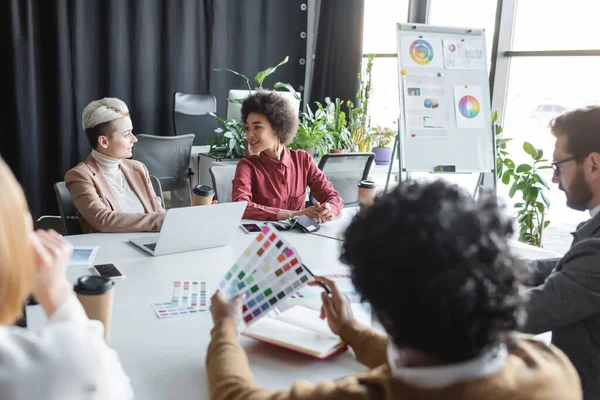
313	135
358	115
228	148
525	180
382	137
336	125
236	97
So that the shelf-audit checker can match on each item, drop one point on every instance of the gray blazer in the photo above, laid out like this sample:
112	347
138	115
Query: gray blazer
567	302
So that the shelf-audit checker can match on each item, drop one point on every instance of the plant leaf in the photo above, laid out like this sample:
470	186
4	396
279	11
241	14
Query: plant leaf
290	88
523	168
506	177
542	181
495	116
529	149
518	205
509	163
513	190
544	198
503	141
234	72
499	129
545	167
236	101
259	78
546	223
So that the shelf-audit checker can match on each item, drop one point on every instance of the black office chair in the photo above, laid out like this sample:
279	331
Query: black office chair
168	159
67	210
345	171
190	115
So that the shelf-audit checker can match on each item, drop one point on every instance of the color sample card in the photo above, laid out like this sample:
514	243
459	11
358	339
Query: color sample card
267	272
265	254
189	297
83	255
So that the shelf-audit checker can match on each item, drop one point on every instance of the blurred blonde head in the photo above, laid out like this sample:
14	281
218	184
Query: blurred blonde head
17	263
97	117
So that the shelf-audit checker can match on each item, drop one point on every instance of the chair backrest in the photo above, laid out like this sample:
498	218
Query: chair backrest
46	222
168	159
67	209
222	176
157	189
190	115
345	171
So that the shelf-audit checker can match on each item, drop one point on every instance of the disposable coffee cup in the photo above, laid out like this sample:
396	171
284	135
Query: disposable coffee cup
367	190
202	195
95	293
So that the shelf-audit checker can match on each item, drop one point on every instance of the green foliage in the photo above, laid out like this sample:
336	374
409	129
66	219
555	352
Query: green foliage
358	118
259	78
382	137
525	180
230	140
313	135
336	125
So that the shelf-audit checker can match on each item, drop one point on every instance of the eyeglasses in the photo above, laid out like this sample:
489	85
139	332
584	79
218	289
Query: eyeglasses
556	165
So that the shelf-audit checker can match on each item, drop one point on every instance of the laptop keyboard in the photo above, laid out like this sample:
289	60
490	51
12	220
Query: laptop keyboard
151	246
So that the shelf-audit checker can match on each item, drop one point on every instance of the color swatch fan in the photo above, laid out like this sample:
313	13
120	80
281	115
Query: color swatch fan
267	272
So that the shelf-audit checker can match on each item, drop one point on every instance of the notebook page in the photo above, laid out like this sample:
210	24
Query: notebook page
304	317
292	336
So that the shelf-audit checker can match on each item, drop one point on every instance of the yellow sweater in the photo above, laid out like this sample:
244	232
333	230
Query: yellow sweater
533	371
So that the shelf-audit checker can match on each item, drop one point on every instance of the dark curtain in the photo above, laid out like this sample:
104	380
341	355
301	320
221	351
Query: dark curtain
338	52
62	54
260	34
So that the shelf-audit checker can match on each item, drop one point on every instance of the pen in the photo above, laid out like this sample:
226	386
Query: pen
320	283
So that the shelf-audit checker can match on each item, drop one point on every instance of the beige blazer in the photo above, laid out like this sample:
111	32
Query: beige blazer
97	209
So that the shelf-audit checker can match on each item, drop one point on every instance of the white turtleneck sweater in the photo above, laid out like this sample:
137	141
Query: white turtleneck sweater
125	196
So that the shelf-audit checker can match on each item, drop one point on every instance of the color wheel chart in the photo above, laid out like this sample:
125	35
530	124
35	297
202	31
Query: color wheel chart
267	272
469	106
189	297
421	52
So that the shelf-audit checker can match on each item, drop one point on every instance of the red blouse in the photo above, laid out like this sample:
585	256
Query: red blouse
270	186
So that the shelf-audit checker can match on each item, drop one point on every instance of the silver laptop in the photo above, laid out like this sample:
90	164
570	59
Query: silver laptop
194	228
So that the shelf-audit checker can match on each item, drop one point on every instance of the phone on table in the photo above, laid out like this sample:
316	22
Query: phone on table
250	228
109	271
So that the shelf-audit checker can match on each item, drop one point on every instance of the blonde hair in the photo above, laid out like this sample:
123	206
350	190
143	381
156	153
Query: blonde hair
17	263
97	115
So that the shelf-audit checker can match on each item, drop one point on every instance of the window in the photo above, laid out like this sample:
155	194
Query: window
557	25
541	88
466	14
379	36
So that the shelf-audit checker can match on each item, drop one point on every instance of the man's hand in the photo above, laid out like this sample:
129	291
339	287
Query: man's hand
336	308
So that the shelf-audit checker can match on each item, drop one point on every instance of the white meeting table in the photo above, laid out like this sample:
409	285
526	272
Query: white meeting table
165	358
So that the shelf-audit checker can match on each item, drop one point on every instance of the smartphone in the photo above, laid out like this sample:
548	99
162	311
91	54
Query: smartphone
250	228
109	270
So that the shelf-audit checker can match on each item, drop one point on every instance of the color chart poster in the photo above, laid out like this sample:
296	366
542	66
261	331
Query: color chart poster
468	106
467	54
422	52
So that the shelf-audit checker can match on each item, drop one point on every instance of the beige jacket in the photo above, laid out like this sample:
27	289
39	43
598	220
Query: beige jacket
533	371
97	209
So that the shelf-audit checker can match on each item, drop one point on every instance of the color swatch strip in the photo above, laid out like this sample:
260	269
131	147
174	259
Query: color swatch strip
189	297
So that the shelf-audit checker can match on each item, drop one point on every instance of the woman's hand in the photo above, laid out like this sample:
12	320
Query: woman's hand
318	212
221	308
52	254
336	308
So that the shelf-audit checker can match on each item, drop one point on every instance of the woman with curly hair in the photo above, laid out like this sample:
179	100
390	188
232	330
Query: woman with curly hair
435	267
273	179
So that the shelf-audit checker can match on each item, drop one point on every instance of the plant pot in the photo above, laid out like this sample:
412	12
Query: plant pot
337	150
234	110
383	155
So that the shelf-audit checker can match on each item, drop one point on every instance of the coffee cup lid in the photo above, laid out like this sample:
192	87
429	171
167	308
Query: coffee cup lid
93	284
367	184
203	190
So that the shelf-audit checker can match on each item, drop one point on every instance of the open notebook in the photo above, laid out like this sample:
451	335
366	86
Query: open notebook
297	328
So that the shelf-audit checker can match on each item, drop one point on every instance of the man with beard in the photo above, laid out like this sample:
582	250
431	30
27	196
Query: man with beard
566	299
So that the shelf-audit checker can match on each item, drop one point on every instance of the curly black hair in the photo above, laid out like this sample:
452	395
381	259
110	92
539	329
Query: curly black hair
278	111
435	266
